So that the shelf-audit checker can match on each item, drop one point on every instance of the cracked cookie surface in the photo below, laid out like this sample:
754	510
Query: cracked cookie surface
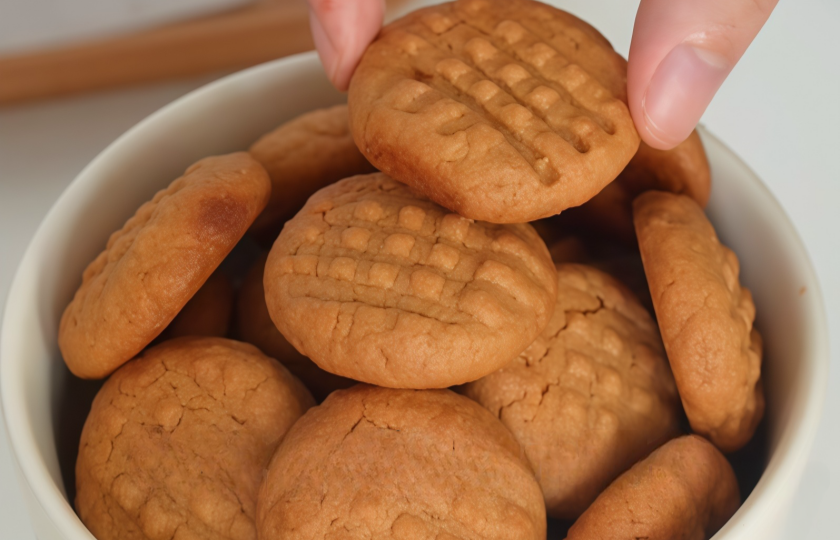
302	156
399	464
705	316
255	326
504	111
591	395
159	259
177	440
376	283
686	489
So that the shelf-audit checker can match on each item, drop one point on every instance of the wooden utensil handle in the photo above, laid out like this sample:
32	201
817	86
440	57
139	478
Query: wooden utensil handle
243	37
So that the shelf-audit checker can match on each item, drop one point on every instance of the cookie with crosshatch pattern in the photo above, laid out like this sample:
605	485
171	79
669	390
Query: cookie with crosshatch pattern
504	111
705	315
377	283
158	260
590	396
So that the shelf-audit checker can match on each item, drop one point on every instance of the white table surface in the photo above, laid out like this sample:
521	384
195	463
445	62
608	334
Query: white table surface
779	110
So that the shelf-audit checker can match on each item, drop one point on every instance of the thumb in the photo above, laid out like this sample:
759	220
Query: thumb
342	30
681	52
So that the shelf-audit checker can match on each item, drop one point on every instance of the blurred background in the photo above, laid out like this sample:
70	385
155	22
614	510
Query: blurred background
75	74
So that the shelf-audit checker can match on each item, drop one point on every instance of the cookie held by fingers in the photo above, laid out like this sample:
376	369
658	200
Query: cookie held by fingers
302	156
705	316
376	283
177	441
159	259
591	396
503	111
685	489
404	464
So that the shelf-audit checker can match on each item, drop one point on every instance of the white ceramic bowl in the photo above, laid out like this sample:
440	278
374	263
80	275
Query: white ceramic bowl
228	115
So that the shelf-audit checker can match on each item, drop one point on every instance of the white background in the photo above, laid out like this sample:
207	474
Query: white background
779	110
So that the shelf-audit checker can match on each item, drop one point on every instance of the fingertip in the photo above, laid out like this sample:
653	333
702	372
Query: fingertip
342	32
678	94
680	54
325	48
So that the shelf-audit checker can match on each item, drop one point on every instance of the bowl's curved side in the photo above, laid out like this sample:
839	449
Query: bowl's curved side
224	116
791	317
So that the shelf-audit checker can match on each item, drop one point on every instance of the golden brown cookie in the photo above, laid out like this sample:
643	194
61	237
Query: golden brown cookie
684	490
504	111
376	283
705	316
683	169
159	259
400	464
177	441
591	396
302	156
254	325
207	313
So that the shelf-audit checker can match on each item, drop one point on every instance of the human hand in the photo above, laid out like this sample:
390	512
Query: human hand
681	52
342	30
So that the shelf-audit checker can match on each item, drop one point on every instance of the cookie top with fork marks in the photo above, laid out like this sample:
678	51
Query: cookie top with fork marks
376	283
500	111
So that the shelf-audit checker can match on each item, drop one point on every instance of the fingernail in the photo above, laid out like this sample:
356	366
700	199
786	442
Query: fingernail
324	45
680	90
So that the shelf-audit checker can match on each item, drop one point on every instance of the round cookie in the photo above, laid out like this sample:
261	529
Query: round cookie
683	169
207	313
302	156
254	325
177	441
159	259
705	316
685	489
403	464
591	396
504	111
376	283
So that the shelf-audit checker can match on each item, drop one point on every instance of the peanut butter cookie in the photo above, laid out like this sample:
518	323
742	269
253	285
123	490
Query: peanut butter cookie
403	464
177	441
685	489
504	111
705	316
376	283
591	396
153	265
254	325
302	156
683	169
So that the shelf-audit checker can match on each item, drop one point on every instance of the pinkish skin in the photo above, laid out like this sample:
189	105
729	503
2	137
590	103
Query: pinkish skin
682	51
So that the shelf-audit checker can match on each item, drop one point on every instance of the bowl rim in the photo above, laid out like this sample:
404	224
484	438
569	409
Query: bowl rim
33	474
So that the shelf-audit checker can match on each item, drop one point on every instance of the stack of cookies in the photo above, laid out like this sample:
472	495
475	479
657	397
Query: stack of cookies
481	363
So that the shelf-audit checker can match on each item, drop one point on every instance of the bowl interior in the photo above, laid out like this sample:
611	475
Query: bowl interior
45	406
